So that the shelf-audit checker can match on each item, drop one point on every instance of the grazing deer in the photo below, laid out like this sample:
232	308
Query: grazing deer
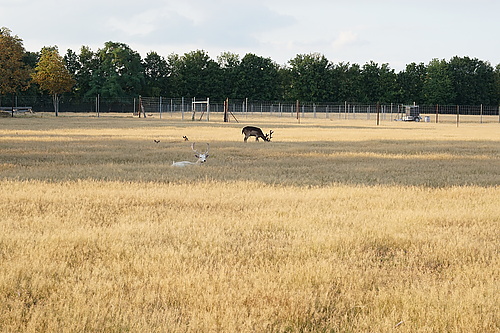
202	158
257	132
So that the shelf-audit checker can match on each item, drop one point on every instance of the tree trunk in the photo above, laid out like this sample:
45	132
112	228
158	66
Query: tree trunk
55	100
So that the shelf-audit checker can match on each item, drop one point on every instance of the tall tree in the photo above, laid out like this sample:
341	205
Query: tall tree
229	64
496	98
199	75
174	65
258	78
411	83
378	83
388	83
52	75
438	87
88	78
74	67
33	94
346	82
14	73
72	63
473	81
156	75
311	77
285	91
120	71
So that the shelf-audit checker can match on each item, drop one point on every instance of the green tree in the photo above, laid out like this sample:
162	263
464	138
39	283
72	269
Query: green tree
346	82
156	74
72	63
229	64
388	84
52	75
199	75
285	79
75	67
258	78
84	68
496	98
174	65
88	76
119	73
411	83
32	94
438	87
311	77
31	59
473	81
14	72
378	83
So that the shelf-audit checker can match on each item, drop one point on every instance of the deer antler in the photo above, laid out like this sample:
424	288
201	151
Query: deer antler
197	152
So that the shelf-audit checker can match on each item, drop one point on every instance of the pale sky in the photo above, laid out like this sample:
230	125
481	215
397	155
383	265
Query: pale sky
397	32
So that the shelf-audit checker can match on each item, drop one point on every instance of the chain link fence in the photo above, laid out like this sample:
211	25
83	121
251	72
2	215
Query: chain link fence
198	109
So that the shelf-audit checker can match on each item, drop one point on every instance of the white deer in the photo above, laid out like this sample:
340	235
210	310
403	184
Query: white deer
202	158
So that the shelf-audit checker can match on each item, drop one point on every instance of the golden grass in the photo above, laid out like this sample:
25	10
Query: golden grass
348	227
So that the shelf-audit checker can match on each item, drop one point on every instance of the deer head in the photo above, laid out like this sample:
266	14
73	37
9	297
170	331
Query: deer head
202	158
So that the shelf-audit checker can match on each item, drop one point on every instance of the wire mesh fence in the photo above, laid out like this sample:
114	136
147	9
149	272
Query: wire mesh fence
206	109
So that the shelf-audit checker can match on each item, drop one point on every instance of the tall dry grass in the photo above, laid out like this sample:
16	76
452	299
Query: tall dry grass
345	227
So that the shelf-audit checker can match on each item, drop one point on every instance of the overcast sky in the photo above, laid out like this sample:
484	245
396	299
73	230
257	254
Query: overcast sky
397	32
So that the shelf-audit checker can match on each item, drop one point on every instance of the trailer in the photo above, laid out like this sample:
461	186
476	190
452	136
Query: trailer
412	113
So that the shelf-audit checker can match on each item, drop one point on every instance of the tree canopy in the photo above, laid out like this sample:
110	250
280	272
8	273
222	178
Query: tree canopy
52	75
14	71
117	71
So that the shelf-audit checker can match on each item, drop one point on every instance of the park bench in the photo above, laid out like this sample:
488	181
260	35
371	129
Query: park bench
17	109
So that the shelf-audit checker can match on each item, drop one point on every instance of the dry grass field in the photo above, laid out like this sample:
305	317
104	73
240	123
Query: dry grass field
335	226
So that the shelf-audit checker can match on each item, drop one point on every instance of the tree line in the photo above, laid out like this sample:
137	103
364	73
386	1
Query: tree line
117	71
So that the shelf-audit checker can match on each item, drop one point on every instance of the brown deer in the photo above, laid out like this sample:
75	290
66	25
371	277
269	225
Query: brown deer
257	132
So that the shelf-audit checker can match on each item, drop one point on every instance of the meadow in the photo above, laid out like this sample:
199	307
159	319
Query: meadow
334	226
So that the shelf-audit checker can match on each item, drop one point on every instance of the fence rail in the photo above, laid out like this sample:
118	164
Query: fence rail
346	110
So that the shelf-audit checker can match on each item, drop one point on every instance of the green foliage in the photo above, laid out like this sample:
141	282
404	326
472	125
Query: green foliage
473	81
156	75
496	94
52	75
14	72
117	71
120	71
347	82
438	87
258	78
378	82
411	83
199	76
112	72
229	64
311	77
